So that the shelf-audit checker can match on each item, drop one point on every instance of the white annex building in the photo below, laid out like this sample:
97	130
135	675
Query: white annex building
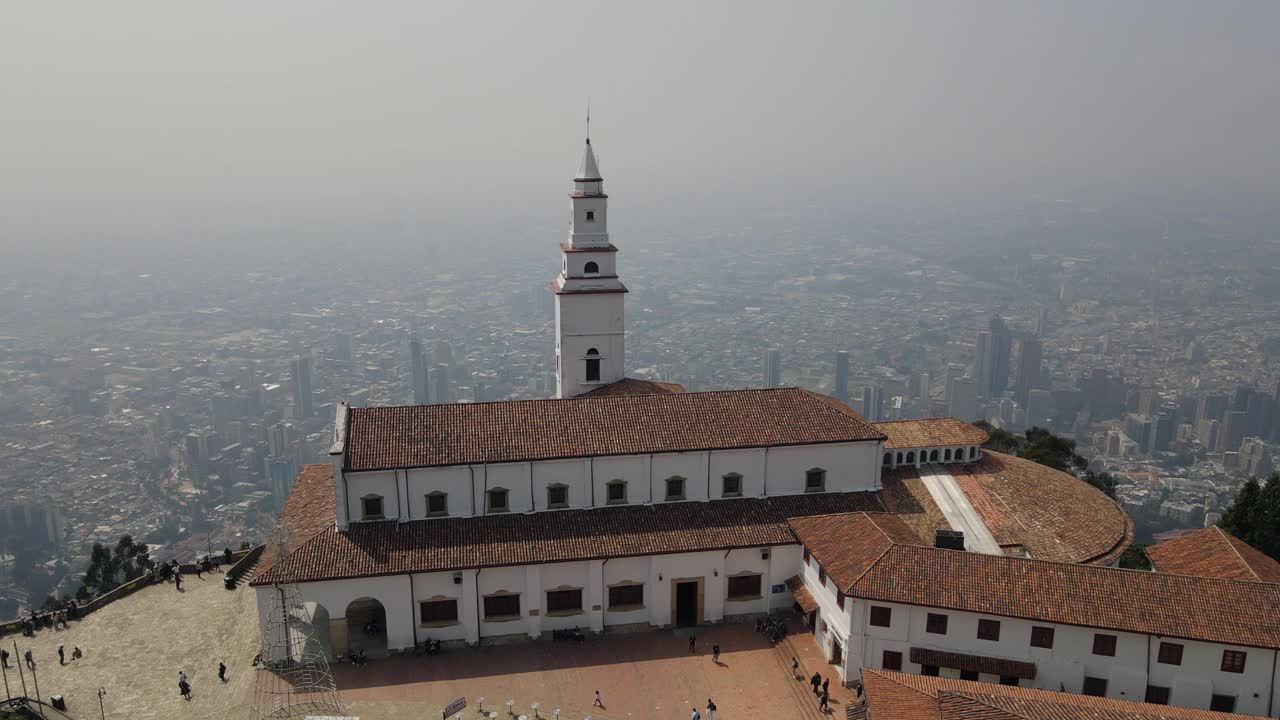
626	504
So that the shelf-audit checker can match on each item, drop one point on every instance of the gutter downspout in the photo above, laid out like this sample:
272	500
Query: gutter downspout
604	599
413	617
1271	697
591	478
533	501
1148	679
485	464
766	472
708	475
479	633
471	469
650	478
406	480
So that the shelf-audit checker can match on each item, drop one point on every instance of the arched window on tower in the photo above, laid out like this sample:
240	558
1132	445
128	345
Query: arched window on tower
593	365
591	269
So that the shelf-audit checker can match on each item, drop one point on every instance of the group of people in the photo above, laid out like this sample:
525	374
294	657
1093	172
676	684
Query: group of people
184	684
819	687
711	711
76	654
58	617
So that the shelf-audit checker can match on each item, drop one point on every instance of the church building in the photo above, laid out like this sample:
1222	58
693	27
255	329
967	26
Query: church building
625	504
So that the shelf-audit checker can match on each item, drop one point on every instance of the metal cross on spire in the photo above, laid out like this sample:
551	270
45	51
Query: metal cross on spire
588	119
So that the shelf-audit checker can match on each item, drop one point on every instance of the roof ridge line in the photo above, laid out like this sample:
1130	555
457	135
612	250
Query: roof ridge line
1226	538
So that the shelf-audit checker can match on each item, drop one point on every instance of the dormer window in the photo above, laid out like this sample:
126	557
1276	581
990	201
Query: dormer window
557	496
591	269
675	488
591	216
497	499
437	504
371	507
593	365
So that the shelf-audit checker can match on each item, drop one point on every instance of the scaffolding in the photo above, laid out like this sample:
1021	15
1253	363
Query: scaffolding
293	676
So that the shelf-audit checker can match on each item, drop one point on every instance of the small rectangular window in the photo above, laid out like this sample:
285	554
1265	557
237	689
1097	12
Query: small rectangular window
371	507
501	606
822	576
936	623
840	599
1041	637
438	611
564	601
988	629
930	670
881	616
815	480
1157	695
593	369
675	488
806	556
1095	686
1222	703
1233	661
892	660
498	500
437	504
557	496
591	216
616	494
1104	645
1170	653
732	485
744	587
969	675
626	596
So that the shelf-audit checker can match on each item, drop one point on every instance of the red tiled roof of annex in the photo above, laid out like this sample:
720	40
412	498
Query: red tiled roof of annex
894	695
1215	610
846	545
367	549
929	432
1214	552
521	430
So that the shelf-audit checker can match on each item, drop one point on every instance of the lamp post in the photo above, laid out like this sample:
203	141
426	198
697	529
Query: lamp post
5	670
102	709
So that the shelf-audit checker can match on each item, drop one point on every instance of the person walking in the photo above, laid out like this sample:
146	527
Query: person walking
715	655
822	701
598	703
31	661
795	669
696	715
825	683
4	658
222	671
62	655
693	643
815	681
711	710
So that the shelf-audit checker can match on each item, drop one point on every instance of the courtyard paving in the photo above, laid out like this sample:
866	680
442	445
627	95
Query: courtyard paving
135	647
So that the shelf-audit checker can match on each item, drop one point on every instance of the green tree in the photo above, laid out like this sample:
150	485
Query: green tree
109	568
1237	519
1135	557
1043	447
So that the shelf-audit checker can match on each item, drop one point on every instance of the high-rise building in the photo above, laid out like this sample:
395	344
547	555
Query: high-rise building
1001	347
1027	376
342	347
871	402
441	393
962	402
590	349
1040	409
283	473
772	368
302	399
418	372
842	375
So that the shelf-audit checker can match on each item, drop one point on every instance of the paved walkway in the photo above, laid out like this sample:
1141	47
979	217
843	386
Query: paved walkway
135	647
648	674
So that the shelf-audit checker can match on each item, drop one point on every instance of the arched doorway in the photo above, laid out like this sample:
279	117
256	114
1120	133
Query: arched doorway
367	626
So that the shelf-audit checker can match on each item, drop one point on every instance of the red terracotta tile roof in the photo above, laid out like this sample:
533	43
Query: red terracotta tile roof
1214	552
929	432
1210	609
391	548
894	695
802	595
516	430
846	545
635	386
1050	514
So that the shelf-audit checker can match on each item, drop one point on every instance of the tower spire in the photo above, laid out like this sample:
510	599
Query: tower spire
588	119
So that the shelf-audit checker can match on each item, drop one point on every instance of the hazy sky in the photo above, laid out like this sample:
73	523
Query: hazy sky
152	113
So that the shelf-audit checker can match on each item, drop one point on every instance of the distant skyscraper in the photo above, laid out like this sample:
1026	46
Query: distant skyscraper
871	402
963	400
302	399
773	368
1001	347
842	375
1027	377
283	473
441	392
342	350
418	371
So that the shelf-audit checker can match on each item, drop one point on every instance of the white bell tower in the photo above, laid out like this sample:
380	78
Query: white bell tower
589	324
